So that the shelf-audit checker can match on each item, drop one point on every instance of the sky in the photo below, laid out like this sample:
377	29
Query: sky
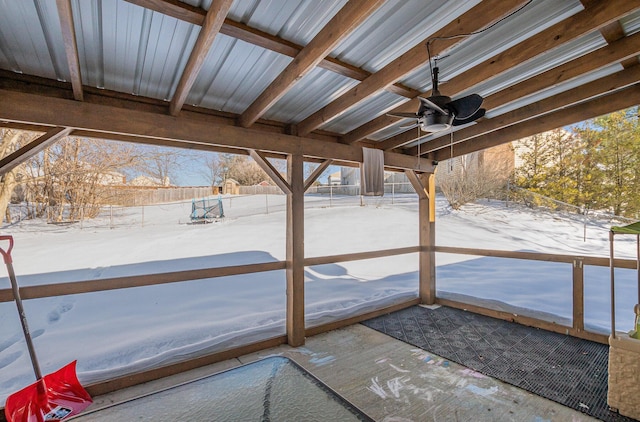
116	332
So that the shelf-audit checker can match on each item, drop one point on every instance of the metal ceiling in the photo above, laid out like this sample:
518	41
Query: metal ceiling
140	50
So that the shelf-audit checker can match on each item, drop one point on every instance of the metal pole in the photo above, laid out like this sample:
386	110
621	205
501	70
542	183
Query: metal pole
142	223
330	195
393	191
613	290
266	200
110	216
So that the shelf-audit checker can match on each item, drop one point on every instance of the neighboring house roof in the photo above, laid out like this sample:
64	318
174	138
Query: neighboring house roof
149	181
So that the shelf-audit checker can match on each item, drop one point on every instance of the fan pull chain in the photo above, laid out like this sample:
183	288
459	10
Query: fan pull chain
418	161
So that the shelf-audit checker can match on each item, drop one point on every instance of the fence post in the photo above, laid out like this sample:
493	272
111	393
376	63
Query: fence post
578	294
142	223
330	195
266	200
81	217
393	192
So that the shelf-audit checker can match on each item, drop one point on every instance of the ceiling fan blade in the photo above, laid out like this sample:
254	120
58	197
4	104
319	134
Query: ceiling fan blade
404	115
465	107
430	104
409	126
478	114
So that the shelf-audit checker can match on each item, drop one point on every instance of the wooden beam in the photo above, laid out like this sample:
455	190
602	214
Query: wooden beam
32	148
525	320
424	185
271	171
210	28
316	173
618	100
129	380
380	123
596	16
612	53
339	27
70	46
477	18
592	89
238	30
613	32
175	9
420	189
295	252
105	284
592	18
42	110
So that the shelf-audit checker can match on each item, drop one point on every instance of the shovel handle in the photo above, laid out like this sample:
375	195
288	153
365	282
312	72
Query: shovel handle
6	253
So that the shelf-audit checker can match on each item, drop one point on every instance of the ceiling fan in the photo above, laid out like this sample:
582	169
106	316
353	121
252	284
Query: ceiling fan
439	112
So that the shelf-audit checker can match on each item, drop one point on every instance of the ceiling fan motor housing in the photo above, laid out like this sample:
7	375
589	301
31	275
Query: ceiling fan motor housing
434	122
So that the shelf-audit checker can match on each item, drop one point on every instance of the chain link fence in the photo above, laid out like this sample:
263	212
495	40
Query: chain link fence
265	200
518	197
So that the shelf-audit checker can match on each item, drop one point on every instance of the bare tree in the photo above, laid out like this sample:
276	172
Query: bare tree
161	163
74	177
478	175
11	140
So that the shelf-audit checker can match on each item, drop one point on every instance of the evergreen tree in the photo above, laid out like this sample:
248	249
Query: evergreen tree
612	144
595	167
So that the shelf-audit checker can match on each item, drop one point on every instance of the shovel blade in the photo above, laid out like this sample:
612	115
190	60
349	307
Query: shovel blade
55	397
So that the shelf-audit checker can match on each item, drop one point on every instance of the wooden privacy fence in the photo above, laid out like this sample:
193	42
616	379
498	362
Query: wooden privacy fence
132	196
576	329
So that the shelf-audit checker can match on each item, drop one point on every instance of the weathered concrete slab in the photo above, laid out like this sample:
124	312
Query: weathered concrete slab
391	381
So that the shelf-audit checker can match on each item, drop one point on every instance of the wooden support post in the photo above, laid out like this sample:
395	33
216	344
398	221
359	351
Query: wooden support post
295	251
578	294
425	187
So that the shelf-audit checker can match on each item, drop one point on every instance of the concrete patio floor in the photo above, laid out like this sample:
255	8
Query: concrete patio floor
390	381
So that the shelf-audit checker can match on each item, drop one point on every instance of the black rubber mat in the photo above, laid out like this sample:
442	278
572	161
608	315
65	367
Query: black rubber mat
564	369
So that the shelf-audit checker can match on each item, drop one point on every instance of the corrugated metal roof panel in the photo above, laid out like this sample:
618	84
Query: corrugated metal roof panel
396	27
237	73
31	39
565	53
131	49
322	85
533	19
631	23
356	116
297	21
551	91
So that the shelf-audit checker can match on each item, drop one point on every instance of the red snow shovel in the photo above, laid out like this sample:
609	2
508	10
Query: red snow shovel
53	397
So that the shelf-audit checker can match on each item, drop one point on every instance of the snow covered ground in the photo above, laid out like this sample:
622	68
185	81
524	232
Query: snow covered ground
120	331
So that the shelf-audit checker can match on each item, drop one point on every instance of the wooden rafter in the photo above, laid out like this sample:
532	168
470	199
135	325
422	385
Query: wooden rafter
595	16
614	32
238	30
210	28
70	46
592	18
477	18
592	89
339	27
27	151
618	100
613	53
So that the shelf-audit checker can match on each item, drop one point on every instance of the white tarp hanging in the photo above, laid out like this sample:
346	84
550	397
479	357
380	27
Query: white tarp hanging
372	172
